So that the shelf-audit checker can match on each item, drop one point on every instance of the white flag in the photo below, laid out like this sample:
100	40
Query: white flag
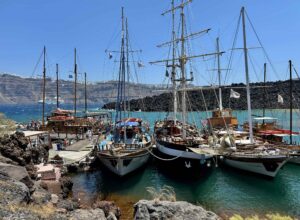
280	99
140	64
234	94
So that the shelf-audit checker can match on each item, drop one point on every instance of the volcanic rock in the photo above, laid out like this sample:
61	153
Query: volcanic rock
144	210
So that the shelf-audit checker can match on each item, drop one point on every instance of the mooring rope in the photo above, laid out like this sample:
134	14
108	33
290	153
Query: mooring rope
163	159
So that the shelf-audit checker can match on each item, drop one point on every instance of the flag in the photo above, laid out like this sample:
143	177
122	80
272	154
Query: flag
140	64
70	76
110	55
234	94
280	99
204	122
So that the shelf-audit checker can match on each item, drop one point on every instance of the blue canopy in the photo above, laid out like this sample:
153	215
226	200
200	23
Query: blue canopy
121	124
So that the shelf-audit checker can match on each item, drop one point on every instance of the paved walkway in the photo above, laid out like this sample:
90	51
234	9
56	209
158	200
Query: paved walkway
75	152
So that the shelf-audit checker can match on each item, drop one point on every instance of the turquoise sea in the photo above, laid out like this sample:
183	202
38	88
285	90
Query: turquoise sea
223	190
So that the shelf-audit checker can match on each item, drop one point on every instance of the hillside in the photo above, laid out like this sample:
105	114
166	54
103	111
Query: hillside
164	102
15	89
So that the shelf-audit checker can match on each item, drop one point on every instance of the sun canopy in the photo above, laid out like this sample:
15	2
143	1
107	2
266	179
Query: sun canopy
33	133
128	123
264	118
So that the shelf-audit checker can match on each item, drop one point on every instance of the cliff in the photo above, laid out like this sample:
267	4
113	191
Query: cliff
16	89
164	102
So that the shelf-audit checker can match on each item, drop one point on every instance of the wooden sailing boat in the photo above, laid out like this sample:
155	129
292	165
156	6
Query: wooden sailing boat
177	140
69	121
253	155
128	144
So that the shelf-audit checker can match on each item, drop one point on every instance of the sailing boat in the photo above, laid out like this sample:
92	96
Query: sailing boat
128	145
177	140
253	155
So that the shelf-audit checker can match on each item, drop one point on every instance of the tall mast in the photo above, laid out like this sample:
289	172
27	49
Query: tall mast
291	102
75	82
173	63
44	86
121	82
219	76
182	65
85	94
247	77
264	96
127	65
57	94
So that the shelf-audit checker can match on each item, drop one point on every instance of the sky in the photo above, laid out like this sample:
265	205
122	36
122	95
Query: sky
92	26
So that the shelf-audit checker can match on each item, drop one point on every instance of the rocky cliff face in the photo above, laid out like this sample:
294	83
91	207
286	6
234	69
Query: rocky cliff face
164	102
15	89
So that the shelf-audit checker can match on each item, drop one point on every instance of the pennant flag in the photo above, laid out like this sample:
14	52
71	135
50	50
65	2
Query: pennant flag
110	55
140	64
70	76
280	99
234	94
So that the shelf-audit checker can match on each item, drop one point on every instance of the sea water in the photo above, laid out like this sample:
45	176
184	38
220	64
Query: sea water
224	190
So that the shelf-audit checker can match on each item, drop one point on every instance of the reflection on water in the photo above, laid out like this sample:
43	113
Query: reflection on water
224	190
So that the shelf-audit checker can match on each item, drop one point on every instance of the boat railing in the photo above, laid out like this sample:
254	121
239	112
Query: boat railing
121	146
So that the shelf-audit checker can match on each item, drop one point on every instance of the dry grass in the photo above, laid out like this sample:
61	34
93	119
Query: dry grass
7	126
43	211
266	217
166	193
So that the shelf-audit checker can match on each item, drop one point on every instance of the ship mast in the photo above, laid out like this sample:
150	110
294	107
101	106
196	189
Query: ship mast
182	67
75	82
291	102
57	95
85	94
265	92
121	82
219	75
247	77
127	66
44	86
173	64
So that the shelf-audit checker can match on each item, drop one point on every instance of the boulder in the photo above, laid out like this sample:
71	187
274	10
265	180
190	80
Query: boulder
7	160
16	172
90	214
67	204
110	209
66	186
40	196
12	191
54	199
153	209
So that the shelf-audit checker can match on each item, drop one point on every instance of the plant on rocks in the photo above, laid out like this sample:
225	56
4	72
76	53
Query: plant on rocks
166	193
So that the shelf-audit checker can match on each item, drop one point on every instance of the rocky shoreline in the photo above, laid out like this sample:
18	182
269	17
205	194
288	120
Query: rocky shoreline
164	102
24	196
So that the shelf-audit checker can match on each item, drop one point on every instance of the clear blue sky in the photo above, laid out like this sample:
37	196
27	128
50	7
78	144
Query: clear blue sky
91	25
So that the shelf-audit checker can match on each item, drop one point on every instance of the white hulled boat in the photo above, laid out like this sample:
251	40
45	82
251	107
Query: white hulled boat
249	154
128	144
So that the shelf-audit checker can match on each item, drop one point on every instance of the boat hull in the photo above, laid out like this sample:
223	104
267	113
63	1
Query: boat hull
268	167
180	153
122	166
295	159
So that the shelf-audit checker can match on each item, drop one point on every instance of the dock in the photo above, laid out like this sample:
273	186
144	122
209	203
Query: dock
74	153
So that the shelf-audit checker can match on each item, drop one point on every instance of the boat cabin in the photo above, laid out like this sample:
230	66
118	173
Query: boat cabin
222	119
